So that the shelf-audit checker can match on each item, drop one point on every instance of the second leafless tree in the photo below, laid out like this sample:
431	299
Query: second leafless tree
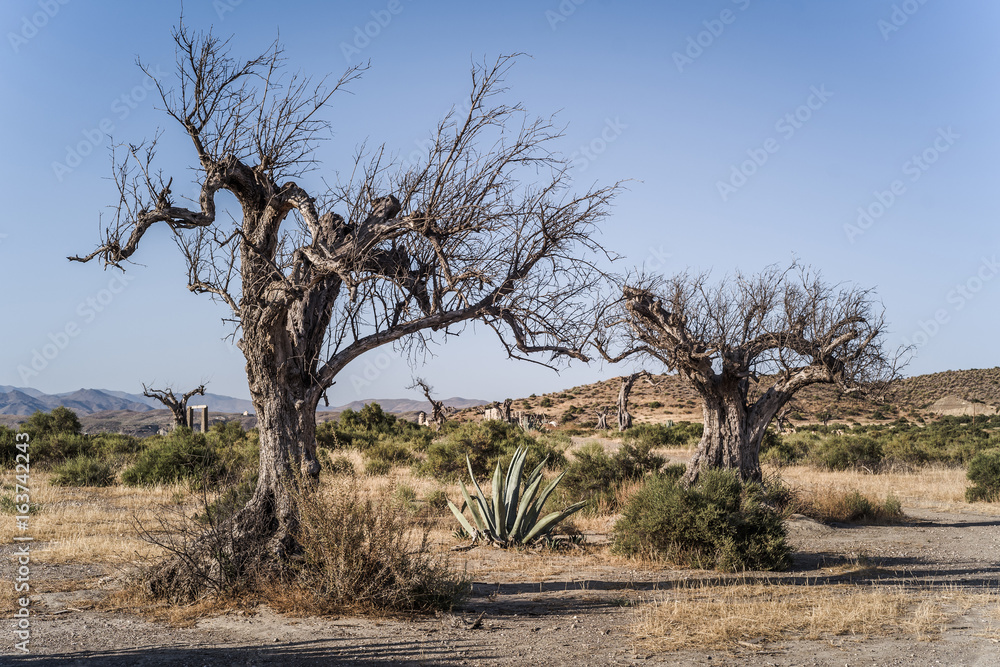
747	344
177	406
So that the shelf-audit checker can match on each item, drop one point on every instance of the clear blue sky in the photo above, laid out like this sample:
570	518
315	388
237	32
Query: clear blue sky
753	133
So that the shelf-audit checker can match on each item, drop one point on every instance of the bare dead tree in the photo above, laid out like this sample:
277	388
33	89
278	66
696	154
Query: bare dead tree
505	409
627	382
748	344
602	418
394	254
178	407
438	415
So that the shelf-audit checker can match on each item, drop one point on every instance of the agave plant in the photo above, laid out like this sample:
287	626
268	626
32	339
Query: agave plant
511	516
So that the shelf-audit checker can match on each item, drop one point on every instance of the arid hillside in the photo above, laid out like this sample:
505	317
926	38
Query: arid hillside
668	398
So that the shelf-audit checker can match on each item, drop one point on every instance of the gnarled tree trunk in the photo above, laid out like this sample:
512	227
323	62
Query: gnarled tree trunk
628	381
602	418
727	441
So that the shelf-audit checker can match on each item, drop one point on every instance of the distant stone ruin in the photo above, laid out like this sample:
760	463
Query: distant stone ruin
204	417
526	420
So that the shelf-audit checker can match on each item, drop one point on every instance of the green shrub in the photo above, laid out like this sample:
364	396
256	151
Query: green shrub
780	450
595	477
486	444
54	448
984	473
111	446
546	402
178	456
83	470
60	420
8	449
844	452
366	428
680	434
389	451
717	523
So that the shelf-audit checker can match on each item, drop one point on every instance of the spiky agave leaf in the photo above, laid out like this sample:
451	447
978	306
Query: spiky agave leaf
522	510
499	514
536	508
480	524
462	520
513	487
481	499
548	523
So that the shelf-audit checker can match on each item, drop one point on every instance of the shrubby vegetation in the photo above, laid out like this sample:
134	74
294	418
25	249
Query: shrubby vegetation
383	439
84	470
681	434
717	523
363	553
486	444
984	473
226	452
950	440
596	477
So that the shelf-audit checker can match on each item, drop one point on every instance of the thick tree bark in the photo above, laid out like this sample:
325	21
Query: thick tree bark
727	440
733	429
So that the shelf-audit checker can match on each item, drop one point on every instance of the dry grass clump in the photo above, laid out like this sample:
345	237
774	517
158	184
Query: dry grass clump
932	486
830	504
709	616
360	552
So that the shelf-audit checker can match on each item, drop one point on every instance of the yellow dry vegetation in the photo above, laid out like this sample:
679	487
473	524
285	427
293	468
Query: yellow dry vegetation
714	616
933	486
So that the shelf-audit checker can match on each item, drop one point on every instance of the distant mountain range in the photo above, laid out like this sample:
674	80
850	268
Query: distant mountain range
26	401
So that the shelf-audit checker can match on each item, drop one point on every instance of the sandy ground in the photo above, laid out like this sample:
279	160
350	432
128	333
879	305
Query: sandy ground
576	610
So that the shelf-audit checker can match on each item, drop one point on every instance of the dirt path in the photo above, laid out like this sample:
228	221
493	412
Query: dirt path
577	612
